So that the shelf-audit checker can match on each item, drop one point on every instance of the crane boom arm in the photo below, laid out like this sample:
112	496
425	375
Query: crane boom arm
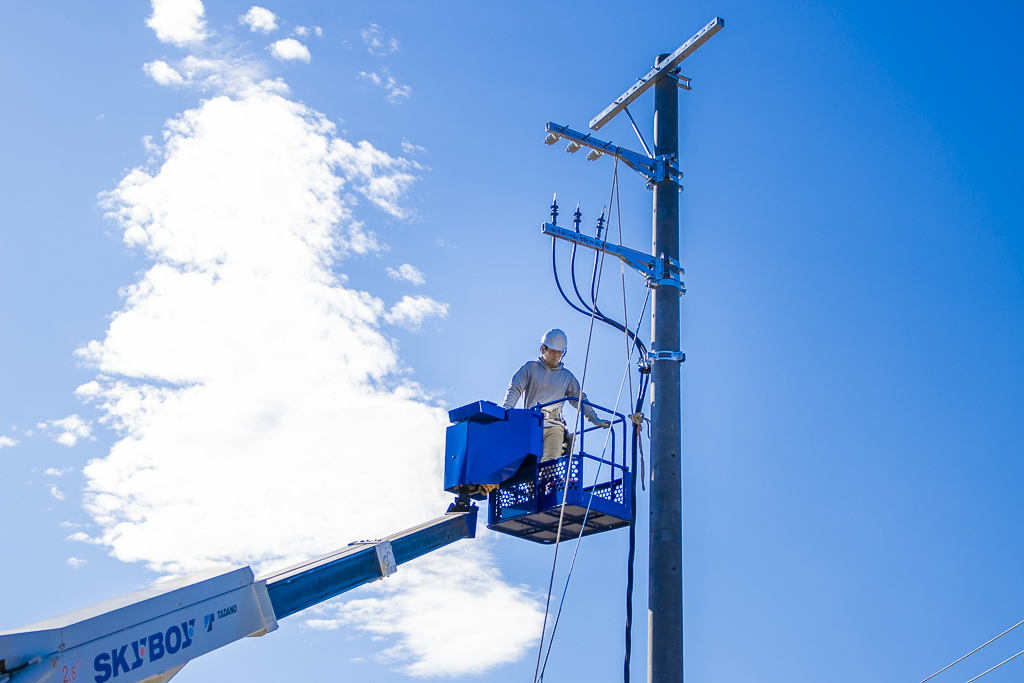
152	633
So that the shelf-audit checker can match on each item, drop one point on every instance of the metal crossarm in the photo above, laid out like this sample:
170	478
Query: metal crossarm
654	169
658	270
661	69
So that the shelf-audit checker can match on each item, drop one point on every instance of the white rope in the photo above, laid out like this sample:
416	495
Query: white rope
586	514
537	676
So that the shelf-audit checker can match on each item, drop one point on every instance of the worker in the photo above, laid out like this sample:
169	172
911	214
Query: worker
547	379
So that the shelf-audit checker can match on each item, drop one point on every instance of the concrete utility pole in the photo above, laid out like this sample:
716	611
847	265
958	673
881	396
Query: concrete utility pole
661	170
665	587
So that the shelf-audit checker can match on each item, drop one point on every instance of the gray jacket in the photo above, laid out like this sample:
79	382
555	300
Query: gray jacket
538	383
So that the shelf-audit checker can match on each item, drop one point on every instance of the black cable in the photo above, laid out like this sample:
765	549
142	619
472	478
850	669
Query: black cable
645	379
589	311
554	269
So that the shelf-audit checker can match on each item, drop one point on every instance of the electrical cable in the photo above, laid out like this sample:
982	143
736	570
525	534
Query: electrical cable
586	514
973	651
996	666
588	310
642	391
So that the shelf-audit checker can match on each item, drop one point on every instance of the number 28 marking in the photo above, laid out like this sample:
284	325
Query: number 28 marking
71	673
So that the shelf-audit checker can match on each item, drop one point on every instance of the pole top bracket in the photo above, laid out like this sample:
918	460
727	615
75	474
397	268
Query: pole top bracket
663	68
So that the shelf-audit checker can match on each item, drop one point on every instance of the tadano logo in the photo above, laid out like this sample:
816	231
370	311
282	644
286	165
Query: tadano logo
221	613
169	642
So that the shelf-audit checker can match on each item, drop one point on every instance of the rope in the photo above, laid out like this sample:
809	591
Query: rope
632	341
586	514
537	675
975	650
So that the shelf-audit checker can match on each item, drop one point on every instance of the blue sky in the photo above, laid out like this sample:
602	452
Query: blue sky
852	392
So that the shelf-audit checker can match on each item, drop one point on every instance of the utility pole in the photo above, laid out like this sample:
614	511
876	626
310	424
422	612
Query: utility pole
662	269
665	577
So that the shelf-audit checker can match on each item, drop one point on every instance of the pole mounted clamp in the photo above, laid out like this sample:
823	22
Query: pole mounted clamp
666	168
677	356
665	273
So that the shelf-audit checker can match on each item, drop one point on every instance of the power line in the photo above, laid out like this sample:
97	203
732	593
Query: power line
975	650
996	666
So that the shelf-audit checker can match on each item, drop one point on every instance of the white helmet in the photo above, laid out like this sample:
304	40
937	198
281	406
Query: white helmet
555	339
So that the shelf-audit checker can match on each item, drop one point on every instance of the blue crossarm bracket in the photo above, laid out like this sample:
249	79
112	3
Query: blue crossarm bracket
660	271
654	169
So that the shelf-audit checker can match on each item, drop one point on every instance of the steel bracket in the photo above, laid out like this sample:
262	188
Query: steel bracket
658	271
654	169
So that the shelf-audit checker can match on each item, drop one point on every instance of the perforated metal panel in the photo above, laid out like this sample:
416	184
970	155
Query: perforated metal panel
530	505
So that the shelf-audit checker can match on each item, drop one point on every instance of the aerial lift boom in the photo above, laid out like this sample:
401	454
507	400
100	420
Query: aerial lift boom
149	635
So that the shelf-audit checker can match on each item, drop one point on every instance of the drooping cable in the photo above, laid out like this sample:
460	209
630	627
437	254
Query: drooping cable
589	311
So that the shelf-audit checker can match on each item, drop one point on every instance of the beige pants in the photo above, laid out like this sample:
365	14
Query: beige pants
554	435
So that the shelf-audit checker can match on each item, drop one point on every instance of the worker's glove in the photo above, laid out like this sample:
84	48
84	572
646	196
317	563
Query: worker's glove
604	424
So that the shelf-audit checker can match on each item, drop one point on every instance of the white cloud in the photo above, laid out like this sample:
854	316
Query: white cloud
395	92
408	272
227	74
69	430
56	492
178	21
75	562
7	442
376	43
410	148
289	49
411	311
240	351
162	73
306	30
441	589
259	19
54	472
